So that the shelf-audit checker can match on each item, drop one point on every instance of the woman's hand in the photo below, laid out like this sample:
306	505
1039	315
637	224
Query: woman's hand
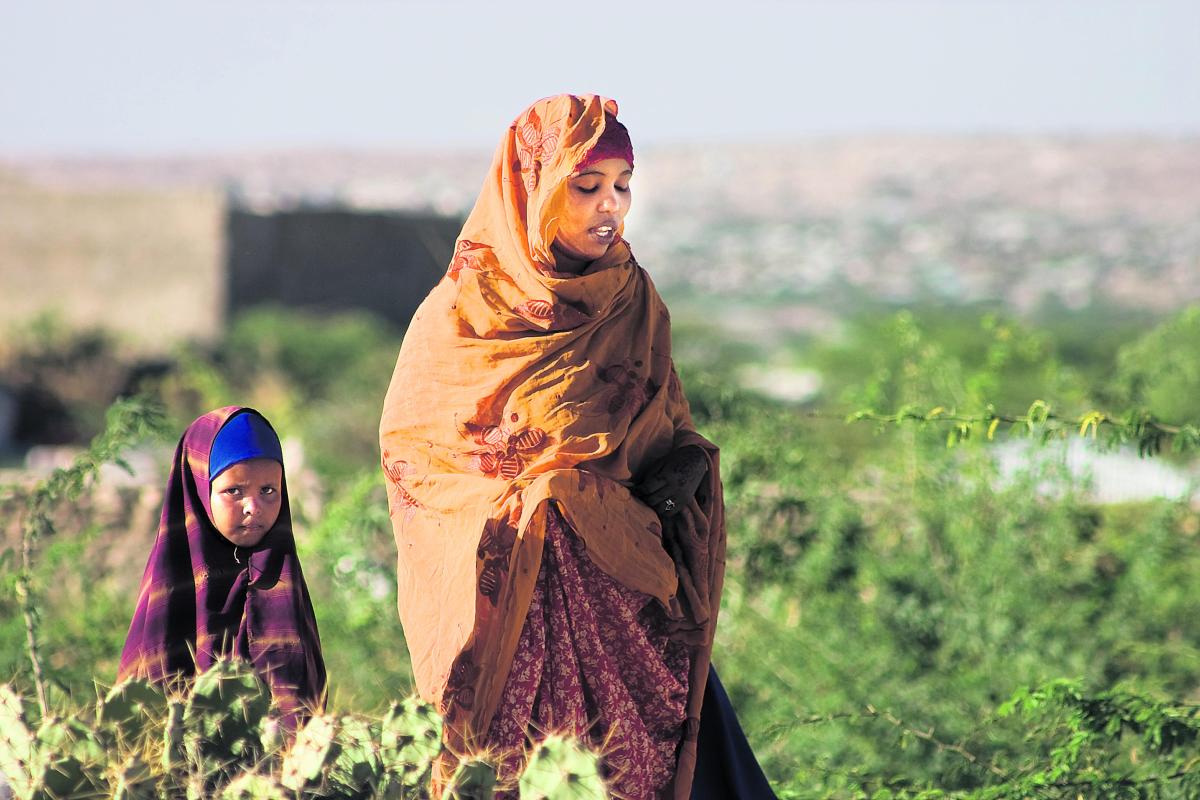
671	483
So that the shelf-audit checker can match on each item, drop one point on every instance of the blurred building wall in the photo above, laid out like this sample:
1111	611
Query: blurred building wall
336	259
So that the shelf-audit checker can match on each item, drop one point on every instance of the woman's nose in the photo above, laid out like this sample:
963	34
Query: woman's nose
609	202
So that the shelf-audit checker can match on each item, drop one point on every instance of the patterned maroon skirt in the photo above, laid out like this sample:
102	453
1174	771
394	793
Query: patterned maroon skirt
594	662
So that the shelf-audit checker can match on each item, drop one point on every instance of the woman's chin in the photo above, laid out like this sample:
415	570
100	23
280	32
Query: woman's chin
578	256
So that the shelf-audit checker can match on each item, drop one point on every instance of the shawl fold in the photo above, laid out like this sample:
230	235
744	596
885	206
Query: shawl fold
517	386
202	599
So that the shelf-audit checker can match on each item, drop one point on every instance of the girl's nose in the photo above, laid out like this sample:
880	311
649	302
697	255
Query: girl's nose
608	202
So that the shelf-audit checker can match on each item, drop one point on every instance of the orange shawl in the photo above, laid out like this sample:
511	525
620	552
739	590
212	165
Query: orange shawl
516	386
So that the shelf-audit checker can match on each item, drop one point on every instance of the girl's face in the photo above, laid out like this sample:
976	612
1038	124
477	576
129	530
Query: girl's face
597	201
245	500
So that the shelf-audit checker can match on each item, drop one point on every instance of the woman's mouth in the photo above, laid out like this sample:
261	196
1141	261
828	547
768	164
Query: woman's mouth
603	233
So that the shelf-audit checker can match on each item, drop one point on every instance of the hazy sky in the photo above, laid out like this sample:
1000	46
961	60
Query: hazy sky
169	76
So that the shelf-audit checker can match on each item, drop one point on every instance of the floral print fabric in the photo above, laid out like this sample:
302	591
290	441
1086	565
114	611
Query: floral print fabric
594	660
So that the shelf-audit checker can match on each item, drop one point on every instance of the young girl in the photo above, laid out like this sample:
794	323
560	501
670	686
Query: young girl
223	578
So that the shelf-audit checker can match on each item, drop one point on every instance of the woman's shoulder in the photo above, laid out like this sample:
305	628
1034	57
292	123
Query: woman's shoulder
653	298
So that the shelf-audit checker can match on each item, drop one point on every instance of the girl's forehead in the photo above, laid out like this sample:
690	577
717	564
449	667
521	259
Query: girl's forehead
252	470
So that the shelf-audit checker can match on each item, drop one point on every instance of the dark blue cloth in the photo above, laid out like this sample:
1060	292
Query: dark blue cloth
725	766
245	436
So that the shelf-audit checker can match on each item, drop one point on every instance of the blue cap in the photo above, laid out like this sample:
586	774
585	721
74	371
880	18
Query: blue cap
244	436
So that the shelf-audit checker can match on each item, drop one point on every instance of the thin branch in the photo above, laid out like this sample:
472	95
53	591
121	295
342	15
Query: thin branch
927	736
29	533
128	422
1139	427
816	719
871	712
1057	421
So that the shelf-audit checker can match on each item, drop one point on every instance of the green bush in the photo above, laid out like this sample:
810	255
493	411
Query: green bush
901	619
1160	371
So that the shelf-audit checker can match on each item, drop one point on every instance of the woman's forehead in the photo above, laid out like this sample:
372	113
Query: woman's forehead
607	167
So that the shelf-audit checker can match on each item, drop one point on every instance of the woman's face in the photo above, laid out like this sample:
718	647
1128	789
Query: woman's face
245	500
597	200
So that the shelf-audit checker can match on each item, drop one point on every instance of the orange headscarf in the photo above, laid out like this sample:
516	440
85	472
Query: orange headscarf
518	386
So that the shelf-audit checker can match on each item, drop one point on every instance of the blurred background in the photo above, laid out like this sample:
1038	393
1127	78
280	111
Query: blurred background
849	206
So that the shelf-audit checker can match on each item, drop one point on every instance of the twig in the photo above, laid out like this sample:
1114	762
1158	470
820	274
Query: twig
29	534
128	422
871	712
815	719
1085	421
1137	426
927	736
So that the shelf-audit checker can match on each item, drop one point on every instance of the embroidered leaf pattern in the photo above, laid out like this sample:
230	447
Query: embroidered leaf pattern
627	391
397	473
533	146
551	316
495	549
529	440
502	452
540	310
467	256
460	686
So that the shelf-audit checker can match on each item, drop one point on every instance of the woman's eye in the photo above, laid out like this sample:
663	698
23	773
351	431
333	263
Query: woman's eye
586	189
268	490
622	188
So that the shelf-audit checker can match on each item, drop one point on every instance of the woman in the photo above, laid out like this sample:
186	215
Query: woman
558	519
223	579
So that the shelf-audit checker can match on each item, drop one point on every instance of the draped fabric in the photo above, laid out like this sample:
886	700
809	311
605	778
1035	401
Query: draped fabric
596	661
202	599
518	385
726	768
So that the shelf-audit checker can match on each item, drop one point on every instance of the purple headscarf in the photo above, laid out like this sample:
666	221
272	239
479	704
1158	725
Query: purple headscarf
614	142
202	598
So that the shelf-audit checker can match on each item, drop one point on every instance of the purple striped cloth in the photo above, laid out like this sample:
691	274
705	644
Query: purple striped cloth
202	599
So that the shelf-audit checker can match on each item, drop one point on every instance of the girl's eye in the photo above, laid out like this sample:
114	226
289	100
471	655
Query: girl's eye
233	491
268	490
622	188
